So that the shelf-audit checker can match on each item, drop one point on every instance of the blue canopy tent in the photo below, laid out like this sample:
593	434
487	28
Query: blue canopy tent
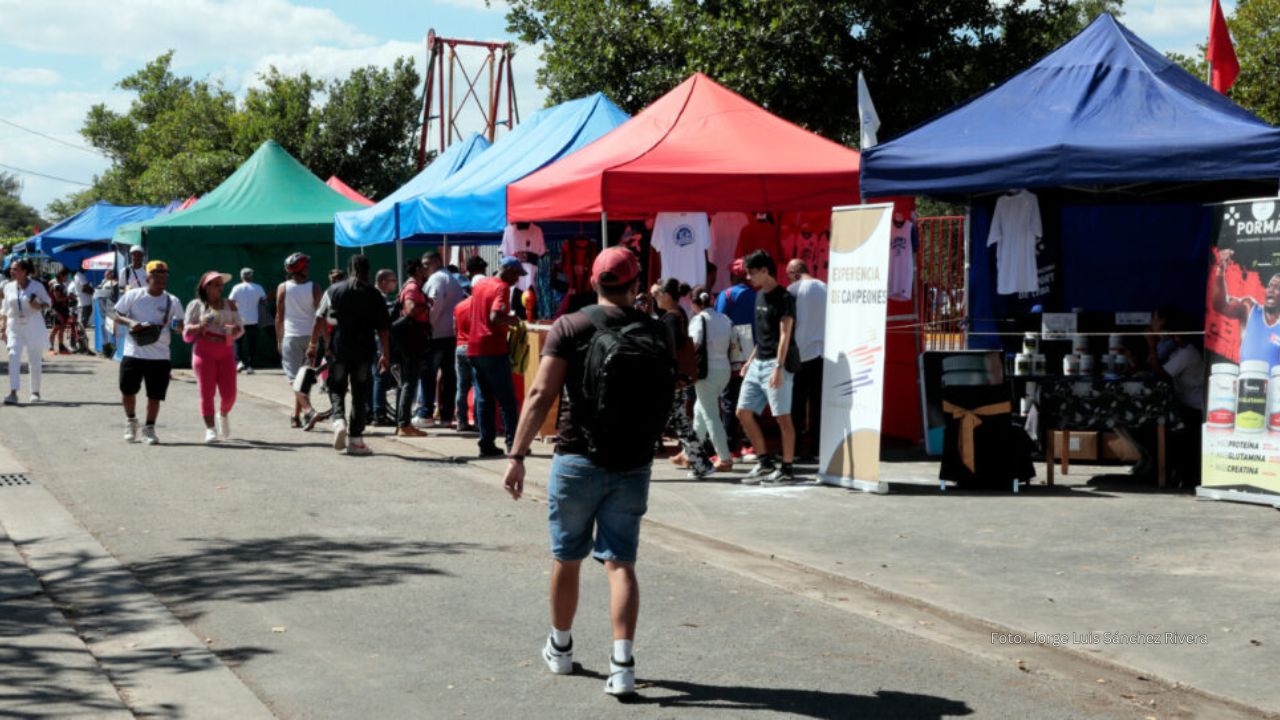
1122	148
87	233
381	222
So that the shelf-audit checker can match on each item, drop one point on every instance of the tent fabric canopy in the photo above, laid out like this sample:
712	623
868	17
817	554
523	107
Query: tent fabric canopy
475	199
267	199
700	147
87	232
346	190
378	224
1103	109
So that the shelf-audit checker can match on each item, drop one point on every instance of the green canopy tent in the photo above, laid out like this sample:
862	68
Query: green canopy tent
270	207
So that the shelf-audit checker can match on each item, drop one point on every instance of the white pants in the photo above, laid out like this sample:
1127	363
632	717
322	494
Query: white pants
706	412
32	338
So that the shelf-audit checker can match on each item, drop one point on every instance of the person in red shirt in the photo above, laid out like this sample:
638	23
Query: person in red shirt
490	356
462	365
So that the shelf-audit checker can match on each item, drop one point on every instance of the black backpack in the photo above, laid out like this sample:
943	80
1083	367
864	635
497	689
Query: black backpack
628	386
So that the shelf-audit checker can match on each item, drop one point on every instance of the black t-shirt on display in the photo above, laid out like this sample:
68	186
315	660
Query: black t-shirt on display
359	311
771	308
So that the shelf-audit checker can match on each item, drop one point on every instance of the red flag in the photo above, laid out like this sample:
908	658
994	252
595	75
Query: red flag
1221	53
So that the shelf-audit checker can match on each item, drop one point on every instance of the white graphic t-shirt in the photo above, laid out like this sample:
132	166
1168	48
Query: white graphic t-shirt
516	241
1015	231
683	240
902	262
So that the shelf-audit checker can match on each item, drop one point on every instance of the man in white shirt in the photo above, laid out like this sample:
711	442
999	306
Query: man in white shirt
134	275
84	298
811	325
149	314
250	299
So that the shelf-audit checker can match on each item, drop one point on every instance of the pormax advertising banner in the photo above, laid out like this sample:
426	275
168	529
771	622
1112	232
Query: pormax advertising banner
854	348
1241	451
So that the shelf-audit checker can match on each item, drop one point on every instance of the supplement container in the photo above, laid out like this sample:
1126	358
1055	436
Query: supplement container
1251	396
1220	409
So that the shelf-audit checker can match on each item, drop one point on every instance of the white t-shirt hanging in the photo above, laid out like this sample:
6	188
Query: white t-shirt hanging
516	241
683	240
1015	231
902	262
725	229
138	304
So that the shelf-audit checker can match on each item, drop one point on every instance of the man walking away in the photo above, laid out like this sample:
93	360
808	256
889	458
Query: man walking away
411	330
149	314
359	313
811	324
443	294
768	375
296	302
490	355
249	298
613	369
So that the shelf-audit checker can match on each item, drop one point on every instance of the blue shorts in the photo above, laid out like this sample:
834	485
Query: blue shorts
582	497
756	393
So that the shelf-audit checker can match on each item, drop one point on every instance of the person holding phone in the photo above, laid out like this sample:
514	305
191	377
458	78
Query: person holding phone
148	313
213	325
22	326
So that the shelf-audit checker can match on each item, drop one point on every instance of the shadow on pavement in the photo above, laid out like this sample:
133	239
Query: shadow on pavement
48	679
792	701
265	569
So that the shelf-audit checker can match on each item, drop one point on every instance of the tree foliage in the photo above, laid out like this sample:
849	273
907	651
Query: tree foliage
798	58
16	217
182	136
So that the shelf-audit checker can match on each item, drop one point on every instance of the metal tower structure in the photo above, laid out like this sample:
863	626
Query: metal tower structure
450	85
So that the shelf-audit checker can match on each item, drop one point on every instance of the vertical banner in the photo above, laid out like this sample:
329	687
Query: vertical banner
1241	451
854	349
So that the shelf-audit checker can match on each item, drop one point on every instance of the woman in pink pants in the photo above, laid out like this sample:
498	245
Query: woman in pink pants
214	324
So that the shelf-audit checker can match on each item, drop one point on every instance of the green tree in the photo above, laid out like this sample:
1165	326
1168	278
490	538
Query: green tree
16	217
182	136
1255	27
798	58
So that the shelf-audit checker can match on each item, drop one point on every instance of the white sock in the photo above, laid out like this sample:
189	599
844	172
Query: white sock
561	638
622	651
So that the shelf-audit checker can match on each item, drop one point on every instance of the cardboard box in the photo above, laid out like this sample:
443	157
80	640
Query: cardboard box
1114	446
1081	446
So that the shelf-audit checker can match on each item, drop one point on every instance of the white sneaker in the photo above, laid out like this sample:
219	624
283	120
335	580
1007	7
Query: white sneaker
35	398
339	434
622	678
149	435
223	424
131	431
560	661
357	447
210	436
239	367
423	423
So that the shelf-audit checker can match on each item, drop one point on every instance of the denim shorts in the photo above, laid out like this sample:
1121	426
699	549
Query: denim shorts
755	392
582	497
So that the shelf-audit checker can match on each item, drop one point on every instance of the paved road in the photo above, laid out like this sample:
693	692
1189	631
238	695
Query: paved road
398	586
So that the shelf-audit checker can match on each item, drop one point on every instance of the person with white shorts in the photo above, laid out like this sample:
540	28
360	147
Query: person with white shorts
296	301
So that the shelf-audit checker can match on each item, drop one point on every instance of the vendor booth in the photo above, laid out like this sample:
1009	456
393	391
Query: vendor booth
1088	179
88	232
270	207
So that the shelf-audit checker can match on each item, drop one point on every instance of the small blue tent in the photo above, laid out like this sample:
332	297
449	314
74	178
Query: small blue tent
87	233
474	201
387	220
1103	109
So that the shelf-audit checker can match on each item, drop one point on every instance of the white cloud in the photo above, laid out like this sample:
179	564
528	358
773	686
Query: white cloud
40	77
202	30
326	62
493	6
61	115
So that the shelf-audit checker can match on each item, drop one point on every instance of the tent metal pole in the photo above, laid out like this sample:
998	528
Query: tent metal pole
968	302
604	229
399	248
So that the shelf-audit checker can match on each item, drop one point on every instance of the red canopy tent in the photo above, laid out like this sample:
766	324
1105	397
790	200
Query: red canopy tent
346	190
699	148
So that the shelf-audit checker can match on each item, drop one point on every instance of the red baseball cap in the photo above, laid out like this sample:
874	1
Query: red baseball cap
615	266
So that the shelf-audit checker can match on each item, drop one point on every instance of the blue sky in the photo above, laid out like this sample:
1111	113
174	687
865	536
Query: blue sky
59	57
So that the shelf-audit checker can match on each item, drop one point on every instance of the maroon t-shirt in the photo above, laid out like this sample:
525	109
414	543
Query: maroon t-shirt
568	340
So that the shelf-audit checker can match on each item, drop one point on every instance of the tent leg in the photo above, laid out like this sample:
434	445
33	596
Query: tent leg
335	256
400	260
604	229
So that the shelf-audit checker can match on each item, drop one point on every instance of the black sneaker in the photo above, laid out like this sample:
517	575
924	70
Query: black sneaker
491	451
295	422
782	475
763	468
